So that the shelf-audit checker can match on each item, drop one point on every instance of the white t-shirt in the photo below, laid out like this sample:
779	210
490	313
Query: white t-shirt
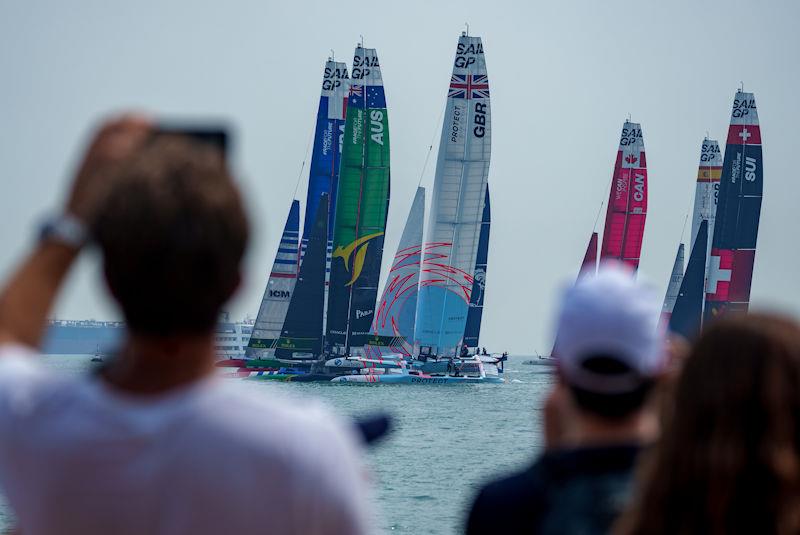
77	457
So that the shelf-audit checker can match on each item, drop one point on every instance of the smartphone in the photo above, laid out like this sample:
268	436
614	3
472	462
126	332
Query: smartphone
213	134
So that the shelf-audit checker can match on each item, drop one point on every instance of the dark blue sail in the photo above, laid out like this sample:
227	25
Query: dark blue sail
301	336
472	329
687	314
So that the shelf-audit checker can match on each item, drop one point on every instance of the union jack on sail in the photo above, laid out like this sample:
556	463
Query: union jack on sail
469	86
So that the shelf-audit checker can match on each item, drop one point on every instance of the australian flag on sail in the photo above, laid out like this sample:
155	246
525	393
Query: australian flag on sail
469	86
374	95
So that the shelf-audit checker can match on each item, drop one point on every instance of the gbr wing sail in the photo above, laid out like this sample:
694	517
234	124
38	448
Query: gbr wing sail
459	191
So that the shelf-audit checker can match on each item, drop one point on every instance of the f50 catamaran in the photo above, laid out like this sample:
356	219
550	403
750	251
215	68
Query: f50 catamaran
361	209
323	177
627	201
277	294
733	247
459	192
396	314
684	295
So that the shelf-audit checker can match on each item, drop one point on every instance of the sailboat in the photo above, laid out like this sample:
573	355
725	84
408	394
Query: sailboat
454	255
674	286
275	302
301	334
627	201
323	177
472	331
705	206
395	316
361	211
459	192
626	212
733	247
687	313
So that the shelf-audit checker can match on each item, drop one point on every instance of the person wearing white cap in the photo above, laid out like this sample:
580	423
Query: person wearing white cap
610	354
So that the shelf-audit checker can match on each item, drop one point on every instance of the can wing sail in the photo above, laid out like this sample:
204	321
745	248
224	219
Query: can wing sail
627	201
395	316
361	209
275	302
475	315
301	335
687	313
733	247
459	189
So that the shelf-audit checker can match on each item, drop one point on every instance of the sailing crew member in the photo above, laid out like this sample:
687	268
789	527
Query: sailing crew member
464	351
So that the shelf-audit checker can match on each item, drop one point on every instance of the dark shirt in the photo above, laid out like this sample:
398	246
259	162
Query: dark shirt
578	491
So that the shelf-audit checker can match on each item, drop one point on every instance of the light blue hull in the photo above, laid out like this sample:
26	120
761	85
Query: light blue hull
402	379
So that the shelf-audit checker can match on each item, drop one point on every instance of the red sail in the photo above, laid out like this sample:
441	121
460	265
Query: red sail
627	201
590	258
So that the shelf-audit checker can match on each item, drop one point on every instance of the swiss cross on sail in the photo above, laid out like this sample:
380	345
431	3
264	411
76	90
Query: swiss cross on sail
469	86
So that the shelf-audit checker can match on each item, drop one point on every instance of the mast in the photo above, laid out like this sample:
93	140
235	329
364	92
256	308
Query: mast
673	287
277	294
687	314
627	201
459	190
473	329
361	209
733	248
395	316
301	334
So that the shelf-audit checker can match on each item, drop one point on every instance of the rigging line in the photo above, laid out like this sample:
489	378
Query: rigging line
597	217
303	165
683	230
430	147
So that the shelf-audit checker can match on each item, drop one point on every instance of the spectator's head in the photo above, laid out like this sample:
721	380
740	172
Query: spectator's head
173	232
608	344
729	457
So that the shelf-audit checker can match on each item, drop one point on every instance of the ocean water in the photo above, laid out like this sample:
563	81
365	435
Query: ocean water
447	440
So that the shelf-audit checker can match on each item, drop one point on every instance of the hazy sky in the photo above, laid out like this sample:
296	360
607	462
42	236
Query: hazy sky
564	76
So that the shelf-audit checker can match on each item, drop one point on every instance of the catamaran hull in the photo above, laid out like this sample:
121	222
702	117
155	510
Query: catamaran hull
398	379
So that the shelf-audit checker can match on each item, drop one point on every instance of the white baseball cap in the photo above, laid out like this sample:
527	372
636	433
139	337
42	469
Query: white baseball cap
610	314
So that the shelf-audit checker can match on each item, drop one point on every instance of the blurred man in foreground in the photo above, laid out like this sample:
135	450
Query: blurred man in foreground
597	415
153	443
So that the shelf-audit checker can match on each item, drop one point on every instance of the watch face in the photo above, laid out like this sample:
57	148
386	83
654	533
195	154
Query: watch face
65	229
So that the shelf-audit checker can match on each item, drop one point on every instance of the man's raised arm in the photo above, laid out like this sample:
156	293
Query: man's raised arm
28	295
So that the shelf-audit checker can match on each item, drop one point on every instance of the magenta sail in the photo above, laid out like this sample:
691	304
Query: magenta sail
627	201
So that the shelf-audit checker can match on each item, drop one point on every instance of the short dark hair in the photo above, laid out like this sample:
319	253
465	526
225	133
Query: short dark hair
172	231
610	406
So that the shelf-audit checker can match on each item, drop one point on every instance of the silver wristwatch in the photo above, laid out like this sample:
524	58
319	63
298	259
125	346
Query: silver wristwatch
66	229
